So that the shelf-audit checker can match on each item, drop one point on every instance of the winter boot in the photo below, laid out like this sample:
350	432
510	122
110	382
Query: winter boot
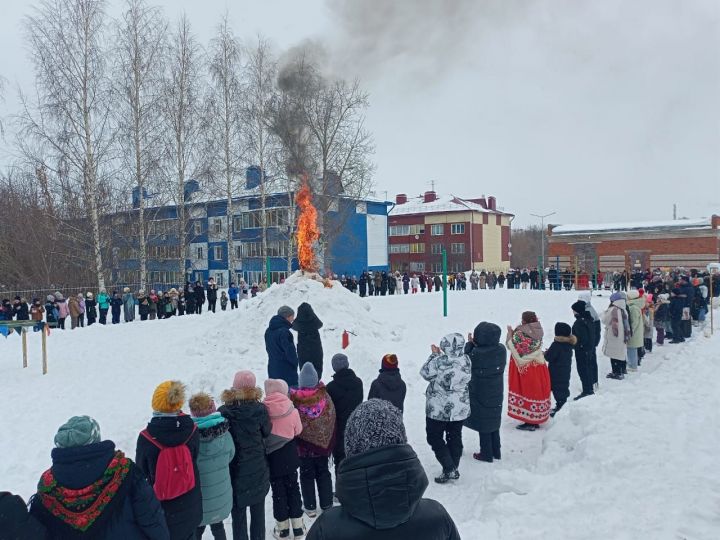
527	427
282	529
455	475
311	513
298	527
444	478
478	456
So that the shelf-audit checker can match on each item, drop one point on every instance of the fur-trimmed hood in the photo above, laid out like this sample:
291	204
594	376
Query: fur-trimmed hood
233	395
572	340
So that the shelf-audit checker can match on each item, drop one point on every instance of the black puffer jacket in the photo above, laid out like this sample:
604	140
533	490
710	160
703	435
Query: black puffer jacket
559	360
133	513
390	387
346	392
381	495
487	386
583	331
183	514
249	426
309	346
15	521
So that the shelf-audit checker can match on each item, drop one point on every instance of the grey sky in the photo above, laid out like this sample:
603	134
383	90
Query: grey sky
598	110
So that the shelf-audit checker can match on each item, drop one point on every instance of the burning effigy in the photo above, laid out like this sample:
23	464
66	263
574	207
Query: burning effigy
308	234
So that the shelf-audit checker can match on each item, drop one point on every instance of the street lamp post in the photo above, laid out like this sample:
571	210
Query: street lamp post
542	243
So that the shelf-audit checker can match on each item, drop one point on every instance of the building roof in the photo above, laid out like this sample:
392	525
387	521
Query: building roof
636	226
443	203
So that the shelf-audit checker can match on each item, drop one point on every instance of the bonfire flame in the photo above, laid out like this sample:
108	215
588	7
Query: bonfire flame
307	231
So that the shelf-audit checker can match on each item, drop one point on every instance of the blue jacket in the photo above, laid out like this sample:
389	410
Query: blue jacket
137	514
233	293
282	355
217	450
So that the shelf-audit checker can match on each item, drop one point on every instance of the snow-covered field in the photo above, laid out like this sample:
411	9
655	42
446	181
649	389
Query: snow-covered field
637	461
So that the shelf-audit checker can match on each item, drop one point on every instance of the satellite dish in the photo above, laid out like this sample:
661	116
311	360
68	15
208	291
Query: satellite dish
417	237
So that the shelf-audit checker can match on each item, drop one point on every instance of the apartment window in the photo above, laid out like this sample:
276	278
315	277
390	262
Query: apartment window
457	228
198	227
437	230
436	249
218	253
220	279
457	267
252	249
436	268
238	252
417	266
457	249
406	230
237	223
417	248
200	253
399	248
217	225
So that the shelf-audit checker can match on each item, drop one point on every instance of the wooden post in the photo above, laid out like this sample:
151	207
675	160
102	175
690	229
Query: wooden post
44	351
24	346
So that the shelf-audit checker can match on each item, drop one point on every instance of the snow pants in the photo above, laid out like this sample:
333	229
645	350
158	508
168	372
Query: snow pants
217	530
314	470
211	305
103	315
583	362
257	522
677	330
445	439
286	497
619	367
660	336
490	445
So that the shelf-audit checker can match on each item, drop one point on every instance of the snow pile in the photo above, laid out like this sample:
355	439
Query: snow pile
635	461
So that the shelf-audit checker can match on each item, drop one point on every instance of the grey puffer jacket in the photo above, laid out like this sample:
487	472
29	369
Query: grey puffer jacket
449	373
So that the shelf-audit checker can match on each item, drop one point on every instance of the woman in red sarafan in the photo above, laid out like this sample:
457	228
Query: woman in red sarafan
529	379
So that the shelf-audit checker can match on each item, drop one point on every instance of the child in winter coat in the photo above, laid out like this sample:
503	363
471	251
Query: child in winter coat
309	346
661	320
15	520
115	306
51	311
635	303
21	309
128	305
63	309
617	333
223	300
447	402
648	314
487	388
583	331
316	442
81	305
559	359
389	385
179	493
103	301
90	308
216	452
36	310
346	391
74	309
249	427
93	490
281	448
254	290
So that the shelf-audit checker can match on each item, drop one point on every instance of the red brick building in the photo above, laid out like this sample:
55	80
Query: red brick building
475	234
690	243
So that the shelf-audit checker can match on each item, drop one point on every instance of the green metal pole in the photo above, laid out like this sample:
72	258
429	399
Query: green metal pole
444	268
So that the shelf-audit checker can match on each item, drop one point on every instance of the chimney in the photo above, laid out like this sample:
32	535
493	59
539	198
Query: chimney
491	203
430	196
400	198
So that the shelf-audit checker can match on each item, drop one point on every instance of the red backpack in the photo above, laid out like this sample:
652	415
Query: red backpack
174	471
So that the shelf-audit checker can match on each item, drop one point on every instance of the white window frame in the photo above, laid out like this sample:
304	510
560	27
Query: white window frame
198	227
457	248
217	225
217	250
435	227
457	228
200	253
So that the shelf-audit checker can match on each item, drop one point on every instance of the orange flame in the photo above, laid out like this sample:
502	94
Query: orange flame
307	233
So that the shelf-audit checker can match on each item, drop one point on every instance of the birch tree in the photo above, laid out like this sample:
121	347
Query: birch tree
139	63
181	109
263	145
225	123
70	120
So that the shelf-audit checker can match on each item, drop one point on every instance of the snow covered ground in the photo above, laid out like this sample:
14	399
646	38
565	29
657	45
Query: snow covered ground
637	461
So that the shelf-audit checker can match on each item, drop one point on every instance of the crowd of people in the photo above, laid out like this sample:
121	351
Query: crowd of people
193	471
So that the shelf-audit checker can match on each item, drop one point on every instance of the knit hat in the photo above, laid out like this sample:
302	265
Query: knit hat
374	424
390	361
168	397
244	379
202	404
562	329
89	295
50	298
126	289
285	312
619	295
579	307
78	431
308	376
529	317
276	386
58	295
339	362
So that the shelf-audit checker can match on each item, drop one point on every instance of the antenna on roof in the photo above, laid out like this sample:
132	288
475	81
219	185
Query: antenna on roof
432	185
674	211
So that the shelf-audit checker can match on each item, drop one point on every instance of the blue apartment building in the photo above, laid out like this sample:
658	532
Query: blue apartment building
359	238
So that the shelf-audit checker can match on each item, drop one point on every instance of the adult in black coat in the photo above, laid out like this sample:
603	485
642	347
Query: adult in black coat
183	514
280	347
363	283
80	461
487	389
16	522
199	293
583	331
20	309
212	289
346	392
559	360
249	473
389	384
309	346
380	485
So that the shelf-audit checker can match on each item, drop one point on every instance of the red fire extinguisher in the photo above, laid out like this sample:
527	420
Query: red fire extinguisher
345	339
